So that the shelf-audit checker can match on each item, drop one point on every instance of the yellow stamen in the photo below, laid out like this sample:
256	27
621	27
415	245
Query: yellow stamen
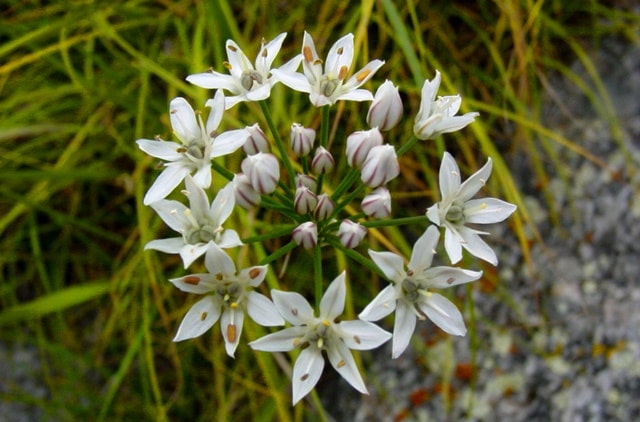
326	323
231	333
341	364
362	75
203	316
307	53
191	279
232	48
254	273
342	73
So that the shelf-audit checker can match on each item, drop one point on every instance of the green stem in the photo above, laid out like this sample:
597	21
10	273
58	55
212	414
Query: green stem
284	231
279	144
277	254
324	127
357	257
317	275
407	146
345	184
396	221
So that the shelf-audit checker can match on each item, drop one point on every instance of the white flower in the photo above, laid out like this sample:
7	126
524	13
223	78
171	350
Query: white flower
246	82
327	86
410	294
315	334
456	208
228	297
196	148
436	117
200	225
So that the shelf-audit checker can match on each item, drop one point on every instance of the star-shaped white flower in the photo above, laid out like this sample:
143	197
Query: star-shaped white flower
315	334
327	85
198	145
456	208
438	116
200	225
410	294
228	296
246	82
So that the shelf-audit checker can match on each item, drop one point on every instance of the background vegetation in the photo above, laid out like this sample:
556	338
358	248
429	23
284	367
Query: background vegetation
80	81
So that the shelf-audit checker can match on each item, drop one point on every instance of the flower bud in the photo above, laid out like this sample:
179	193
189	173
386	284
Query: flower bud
305	200
306	235
380	166
377	204
386	109
263	171
257	141
324	208
301	139
323	161
360	143
307	181
246	195
351	233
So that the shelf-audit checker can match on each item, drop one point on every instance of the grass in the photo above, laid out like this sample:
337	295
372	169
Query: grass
80	81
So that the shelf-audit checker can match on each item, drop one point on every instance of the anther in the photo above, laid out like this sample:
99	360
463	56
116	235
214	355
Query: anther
191	279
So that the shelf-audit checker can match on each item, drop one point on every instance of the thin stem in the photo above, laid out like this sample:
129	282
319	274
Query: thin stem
324	127
284	231
357	257
317	275
345	184
277	254
407	146
279	144
396	221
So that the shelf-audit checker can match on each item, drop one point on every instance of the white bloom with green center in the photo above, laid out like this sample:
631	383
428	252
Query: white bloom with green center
328	84
438	116
197	146
228	296
410	294
456	209
246	82
200	225
317	334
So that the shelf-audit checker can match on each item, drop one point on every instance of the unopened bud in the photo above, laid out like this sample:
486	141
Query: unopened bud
351	233
306	235
386	109
263	171
380	166
377	204
324	208
307	181
257	141
246	195
360	143
301	139
305	200
323	161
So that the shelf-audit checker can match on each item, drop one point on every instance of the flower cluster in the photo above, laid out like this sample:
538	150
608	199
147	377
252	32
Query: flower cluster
292	175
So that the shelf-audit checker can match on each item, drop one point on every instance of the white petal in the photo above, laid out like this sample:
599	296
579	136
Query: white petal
487	210
294	80
452	245
202	315
454	123
475	182
306	372
189	253
442	312
217	111
340	55
449	176
218	262
195	283
164	150
342	361
381	306
202	177
293	307
476	246
362	335
433	214
262	310
213	80
183	120
265	59
228	142
363	75
229	239
424	249
166	182
356	95
231	326
332	302
290	67
172	213
443	277
403	328
392	265
238	61
171	245
280	341
222	205
198	201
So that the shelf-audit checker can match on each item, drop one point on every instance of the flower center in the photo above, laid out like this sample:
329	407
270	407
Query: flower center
231	292
328	86
455	213
203	234
249	77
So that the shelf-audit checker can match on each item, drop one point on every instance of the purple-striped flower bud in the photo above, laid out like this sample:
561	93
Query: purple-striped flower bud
246	195
360	143
306	235
386	109
307	181
380	166
305	200
351	233
257	141
301	139
324	208
323	161
378	203
263	171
